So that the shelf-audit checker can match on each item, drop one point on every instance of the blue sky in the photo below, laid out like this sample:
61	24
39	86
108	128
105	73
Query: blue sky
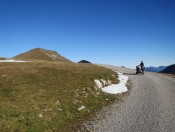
116	32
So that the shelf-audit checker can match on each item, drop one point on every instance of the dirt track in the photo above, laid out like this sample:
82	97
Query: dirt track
150	106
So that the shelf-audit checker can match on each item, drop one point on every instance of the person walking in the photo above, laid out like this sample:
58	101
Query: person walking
142	66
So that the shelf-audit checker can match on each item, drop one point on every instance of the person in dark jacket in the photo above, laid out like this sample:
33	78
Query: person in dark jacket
142	66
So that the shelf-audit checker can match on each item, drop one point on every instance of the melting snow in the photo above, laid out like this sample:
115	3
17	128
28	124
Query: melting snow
11	61
115	88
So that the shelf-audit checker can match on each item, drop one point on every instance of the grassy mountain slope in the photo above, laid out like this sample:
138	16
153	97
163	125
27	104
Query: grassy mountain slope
46	96
41	54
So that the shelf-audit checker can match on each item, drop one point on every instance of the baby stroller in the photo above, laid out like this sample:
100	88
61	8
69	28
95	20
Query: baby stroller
138	70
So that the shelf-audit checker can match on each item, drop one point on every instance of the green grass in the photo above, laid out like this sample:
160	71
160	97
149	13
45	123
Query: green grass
45	96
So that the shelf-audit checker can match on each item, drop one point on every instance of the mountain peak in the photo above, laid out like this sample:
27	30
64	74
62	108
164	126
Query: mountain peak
41	54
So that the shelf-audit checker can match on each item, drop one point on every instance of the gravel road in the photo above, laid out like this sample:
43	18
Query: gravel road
150	106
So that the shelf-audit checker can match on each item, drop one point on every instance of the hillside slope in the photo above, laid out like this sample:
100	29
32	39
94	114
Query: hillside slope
50	96
170	69
41	54
155	69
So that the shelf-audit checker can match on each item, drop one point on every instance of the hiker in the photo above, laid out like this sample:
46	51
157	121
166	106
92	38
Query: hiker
142	66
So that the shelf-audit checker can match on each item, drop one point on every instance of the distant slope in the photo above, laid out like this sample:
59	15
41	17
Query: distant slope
170	69
41	54
2	58
155	69
84	61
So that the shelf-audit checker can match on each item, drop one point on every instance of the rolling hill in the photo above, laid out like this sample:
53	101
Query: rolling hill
50	95
41	54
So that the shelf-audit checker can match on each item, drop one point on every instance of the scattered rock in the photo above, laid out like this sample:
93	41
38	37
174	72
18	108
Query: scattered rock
81	108
113	75
4	75
97	93
40	115
109	82
103	81
98	84
76	101
3	116
46	110
60	109
57	102
49	119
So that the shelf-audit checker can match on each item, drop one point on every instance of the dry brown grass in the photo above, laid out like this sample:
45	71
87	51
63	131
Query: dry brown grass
45	96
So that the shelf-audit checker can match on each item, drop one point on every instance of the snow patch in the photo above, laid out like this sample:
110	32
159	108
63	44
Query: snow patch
117	88
12	61
113	88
